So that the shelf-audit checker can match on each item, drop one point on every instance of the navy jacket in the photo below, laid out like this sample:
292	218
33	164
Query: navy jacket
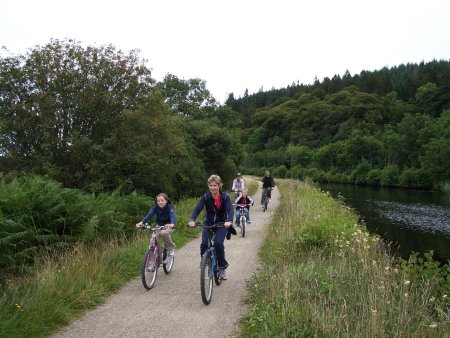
213	215
164	215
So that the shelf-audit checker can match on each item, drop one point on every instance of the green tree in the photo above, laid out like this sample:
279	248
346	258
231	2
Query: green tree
187	97
426	98
60	95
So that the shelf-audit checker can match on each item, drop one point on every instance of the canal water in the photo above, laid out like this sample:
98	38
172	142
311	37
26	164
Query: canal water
416	221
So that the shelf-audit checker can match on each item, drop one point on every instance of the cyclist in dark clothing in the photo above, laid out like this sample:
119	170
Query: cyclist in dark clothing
218	209
268	183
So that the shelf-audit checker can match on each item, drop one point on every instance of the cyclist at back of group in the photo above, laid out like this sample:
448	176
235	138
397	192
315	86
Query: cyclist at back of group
244	199
238	184
268	183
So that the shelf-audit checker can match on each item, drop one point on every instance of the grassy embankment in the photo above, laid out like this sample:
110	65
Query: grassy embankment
62	288
323	275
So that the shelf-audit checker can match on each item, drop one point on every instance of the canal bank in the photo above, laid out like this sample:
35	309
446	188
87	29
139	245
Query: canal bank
411	220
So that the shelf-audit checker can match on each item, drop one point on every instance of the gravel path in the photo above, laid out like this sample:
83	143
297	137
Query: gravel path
174	308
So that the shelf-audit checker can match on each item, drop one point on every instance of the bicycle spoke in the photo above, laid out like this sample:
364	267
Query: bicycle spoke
149	269
206	278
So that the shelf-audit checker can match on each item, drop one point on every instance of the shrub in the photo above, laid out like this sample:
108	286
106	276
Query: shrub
389	176
374	177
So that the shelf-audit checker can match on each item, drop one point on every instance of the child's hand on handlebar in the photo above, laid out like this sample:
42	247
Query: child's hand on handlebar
191	224
227	224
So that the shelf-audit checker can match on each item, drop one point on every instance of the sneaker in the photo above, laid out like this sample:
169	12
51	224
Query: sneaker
223	274
172	252
249	222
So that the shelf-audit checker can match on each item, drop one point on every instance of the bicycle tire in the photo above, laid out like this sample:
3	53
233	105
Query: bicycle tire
206	278
149	269
243	224
264	204
167	262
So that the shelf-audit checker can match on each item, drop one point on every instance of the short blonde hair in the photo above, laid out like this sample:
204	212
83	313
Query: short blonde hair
215	178
246	190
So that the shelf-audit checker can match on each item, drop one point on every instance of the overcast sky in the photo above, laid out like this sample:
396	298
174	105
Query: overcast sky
241	44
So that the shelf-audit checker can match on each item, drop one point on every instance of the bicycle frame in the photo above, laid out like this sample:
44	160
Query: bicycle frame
211	249
153	243
265	198
158	254
209	268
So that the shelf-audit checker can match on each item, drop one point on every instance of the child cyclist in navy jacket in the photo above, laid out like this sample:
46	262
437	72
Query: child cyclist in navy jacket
244	199
218	209
165	215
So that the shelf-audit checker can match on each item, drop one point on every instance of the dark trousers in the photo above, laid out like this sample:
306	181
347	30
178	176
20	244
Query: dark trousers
221	233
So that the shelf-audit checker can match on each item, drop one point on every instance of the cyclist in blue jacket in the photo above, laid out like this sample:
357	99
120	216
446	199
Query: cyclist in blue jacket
218	209
165	215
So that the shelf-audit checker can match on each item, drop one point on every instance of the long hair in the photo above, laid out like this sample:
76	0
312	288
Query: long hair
165	197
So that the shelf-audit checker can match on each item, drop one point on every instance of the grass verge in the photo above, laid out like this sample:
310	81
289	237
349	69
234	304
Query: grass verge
323	275
62	288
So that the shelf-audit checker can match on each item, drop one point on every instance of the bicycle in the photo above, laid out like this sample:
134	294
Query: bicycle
154	257
265	198
209	268
242	217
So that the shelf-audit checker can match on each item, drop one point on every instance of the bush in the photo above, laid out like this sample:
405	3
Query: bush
38	215
390	176
359	174
316	175
374	177
280	171
415	178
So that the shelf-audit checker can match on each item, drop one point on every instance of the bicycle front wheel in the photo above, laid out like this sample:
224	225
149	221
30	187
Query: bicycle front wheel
149	268
168	261
206	278
243	224
266	202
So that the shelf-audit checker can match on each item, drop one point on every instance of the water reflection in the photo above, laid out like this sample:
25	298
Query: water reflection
415	221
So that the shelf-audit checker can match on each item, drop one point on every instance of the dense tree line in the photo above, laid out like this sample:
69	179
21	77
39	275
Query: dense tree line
94	119
389	127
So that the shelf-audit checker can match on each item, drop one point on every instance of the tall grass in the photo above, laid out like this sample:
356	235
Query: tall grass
323	275
63	286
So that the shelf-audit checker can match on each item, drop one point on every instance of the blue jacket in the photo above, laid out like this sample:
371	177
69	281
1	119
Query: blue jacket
213	215
164	215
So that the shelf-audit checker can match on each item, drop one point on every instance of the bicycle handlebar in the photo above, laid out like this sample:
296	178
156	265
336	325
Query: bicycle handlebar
153	228
215	225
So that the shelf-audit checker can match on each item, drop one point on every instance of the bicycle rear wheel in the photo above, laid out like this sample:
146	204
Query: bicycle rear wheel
206	278
243	224
167	262
149	269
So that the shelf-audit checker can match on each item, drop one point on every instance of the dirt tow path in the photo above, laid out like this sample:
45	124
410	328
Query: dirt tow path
174	308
